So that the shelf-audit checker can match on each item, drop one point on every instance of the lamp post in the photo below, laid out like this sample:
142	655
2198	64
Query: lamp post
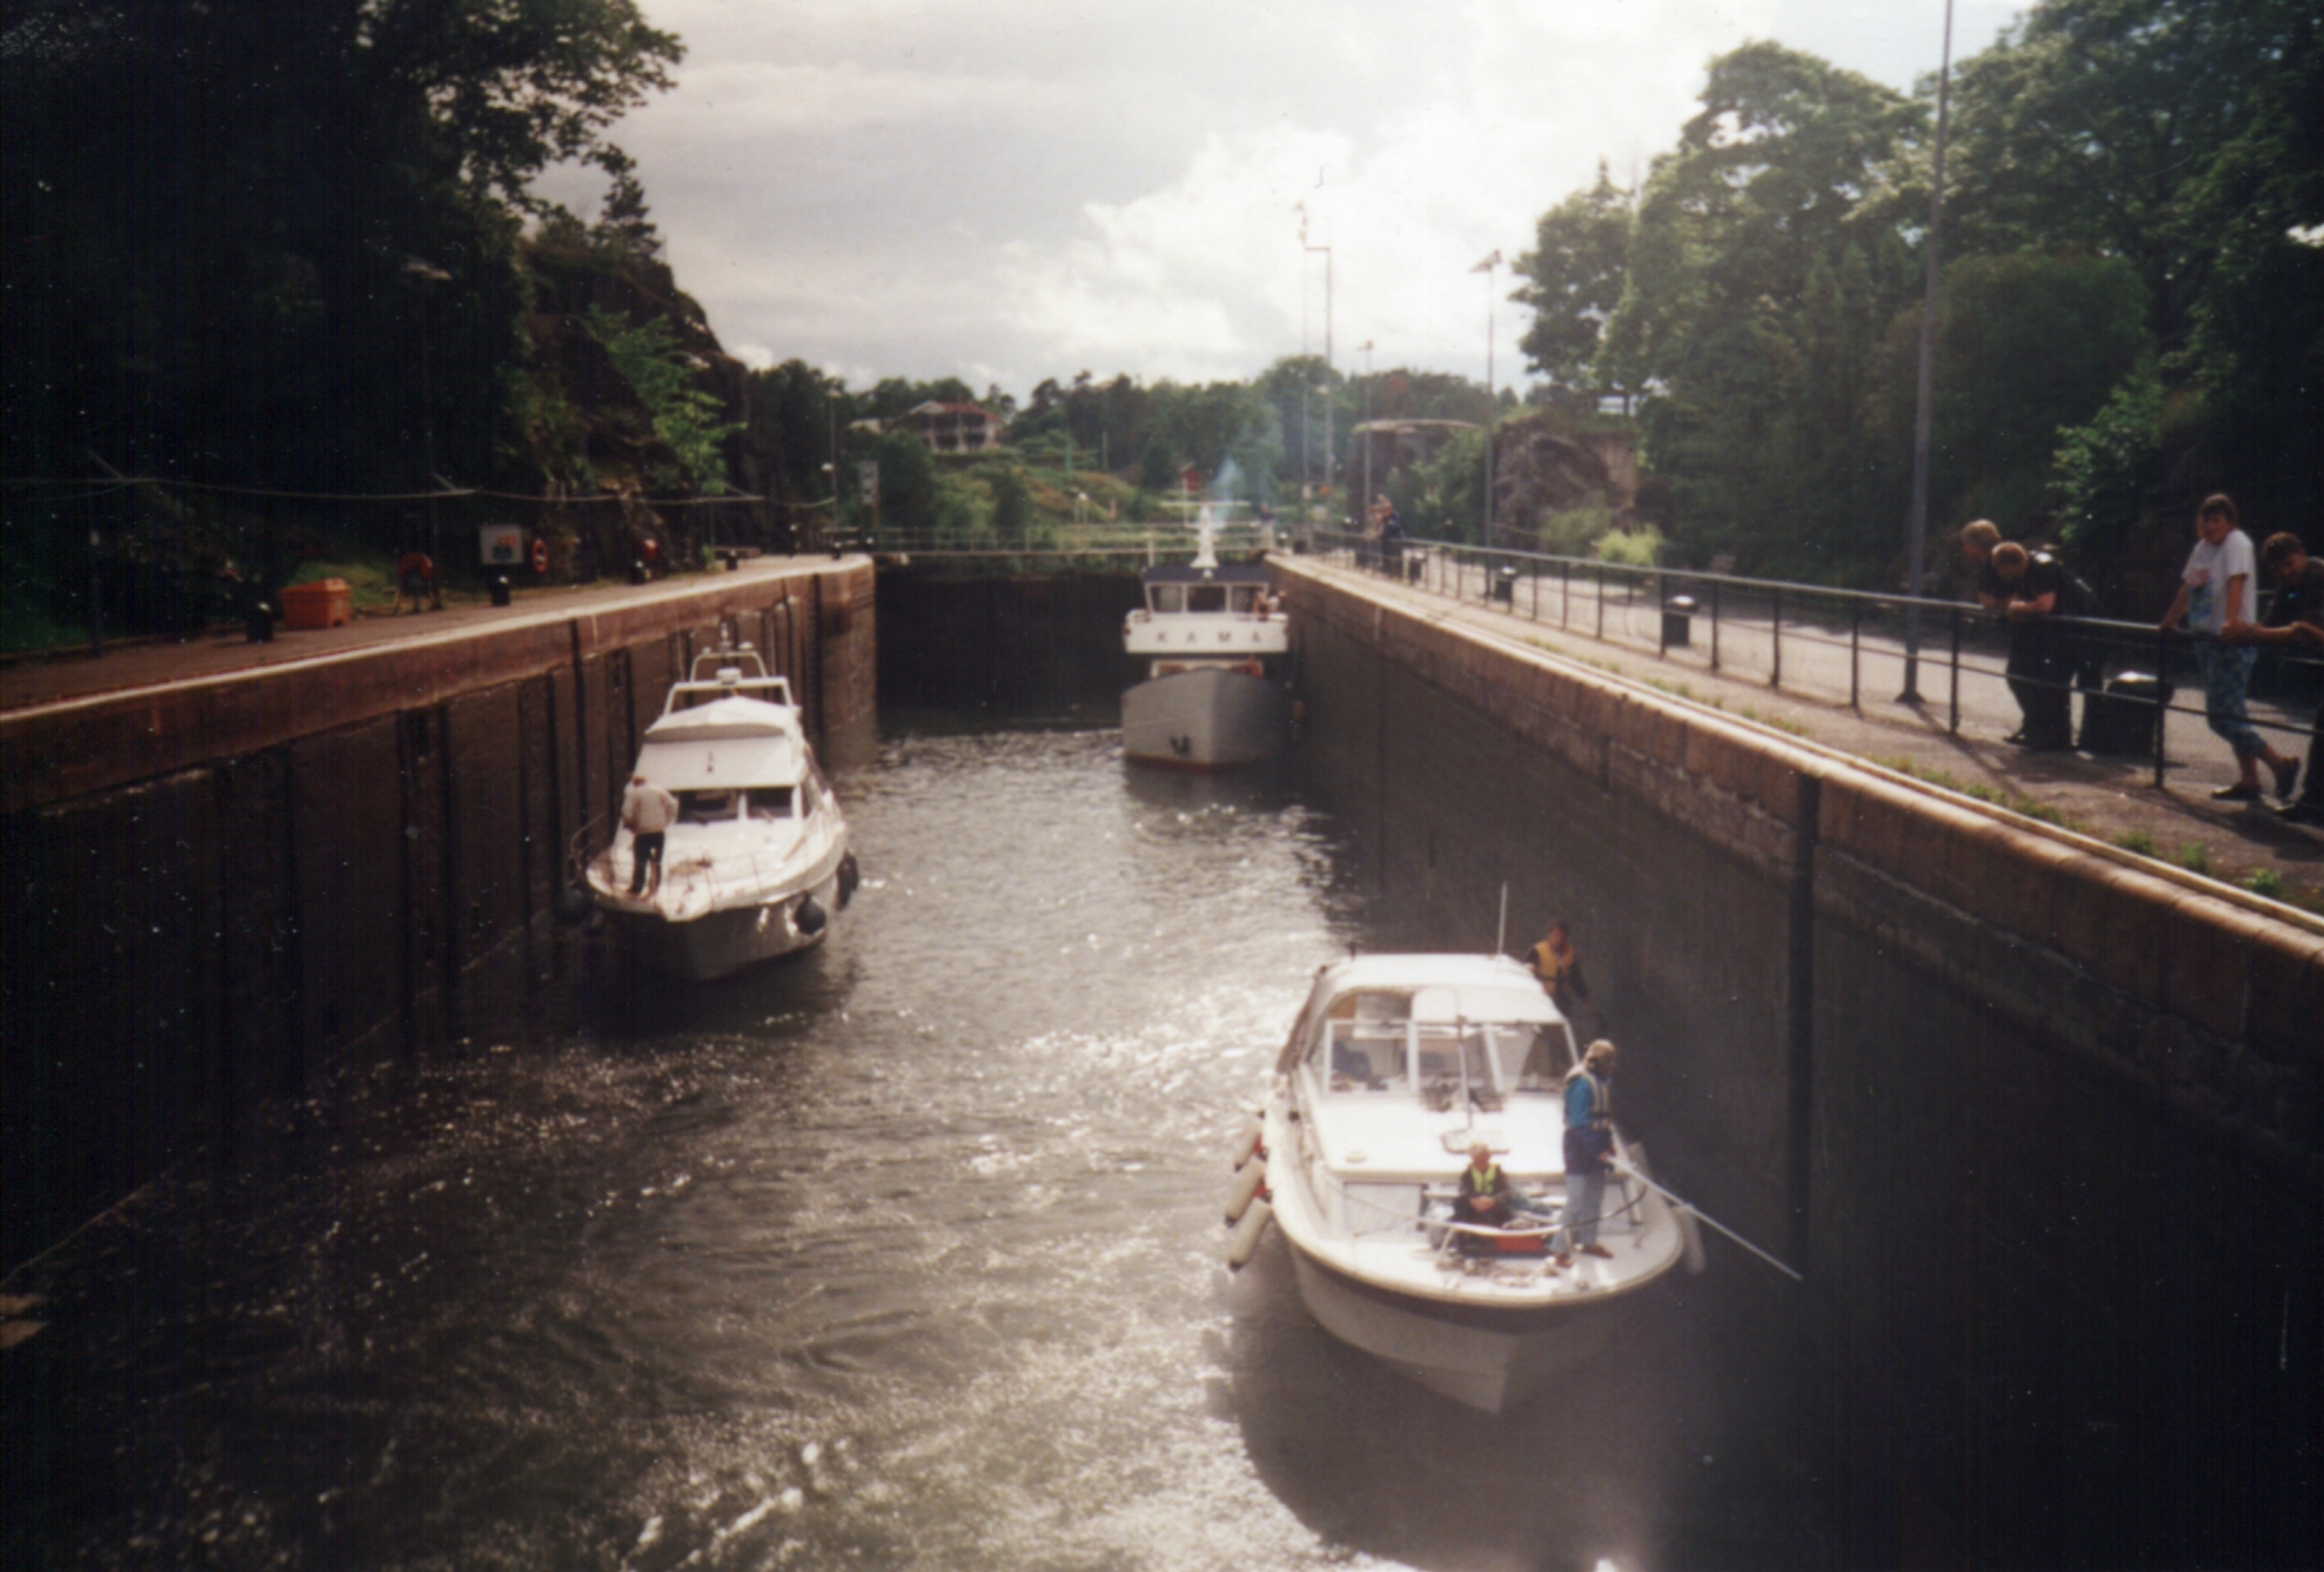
428	273
1364	511
1328	465
1486	268
1916	528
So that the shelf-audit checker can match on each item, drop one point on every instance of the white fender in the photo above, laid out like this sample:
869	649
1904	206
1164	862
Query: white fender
1248	1180
1244	1240
1690	1232
1246	1142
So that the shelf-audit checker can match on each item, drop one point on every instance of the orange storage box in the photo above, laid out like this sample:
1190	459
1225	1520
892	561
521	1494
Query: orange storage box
325	603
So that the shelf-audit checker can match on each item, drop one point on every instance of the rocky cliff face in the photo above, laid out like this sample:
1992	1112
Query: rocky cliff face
1542	469
588	430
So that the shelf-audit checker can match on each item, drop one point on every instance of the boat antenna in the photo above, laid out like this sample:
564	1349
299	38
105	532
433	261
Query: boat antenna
1502	934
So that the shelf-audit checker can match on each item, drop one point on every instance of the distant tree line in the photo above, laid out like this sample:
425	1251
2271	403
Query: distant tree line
2130	311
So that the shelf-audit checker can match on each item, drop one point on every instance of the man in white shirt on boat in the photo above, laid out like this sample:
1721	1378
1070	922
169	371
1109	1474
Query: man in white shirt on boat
647	812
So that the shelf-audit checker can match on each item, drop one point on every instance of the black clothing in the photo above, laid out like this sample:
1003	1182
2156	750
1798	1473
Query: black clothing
2040	655
2302	600
2297	600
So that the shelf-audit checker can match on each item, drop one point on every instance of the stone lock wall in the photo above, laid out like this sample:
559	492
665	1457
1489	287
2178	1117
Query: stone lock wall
215	889
2043	1128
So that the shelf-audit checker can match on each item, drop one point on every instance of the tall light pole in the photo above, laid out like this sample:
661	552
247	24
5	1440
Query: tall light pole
1917	528
429	273
1492	288
1364	511
1328	467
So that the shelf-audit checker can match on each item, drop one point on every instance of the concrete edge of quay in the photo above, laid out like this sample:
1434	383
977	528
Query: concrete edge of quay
2205	994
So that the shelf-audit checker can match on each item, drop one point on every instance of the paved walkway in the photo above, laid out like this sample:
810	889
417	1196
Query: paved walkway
28	682
2113	800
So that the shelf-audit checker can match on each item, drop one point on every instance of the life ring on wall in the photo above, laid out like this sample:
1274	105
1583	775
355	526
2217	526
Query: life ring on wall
540	554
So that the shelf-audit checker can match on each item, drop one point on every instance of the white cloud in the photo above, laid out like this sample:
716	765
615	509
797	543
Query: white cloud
1022	189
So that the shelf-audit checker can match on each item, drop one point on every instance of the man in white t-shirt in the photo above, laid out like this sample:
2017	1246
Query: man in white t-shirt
2214	594
647	811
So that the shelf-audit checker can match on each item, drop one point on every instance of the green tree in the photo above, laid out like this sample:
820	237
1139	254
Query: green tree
686	420
2029	345
1573	280
1012	506
2186	139
1762	276
908	482
271	245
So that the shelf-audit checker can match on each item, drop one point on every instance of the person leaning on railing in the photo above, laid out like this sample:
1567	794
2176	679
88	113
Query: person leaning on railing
2214	595
2295	616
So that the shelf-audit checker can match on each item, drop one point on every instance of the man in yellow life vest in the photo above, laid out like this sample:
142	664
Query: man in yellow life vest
1559	966
1486	1199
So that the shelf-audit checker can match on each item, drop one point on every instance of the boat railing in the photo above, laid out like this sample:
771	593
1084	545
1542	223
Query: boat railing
698	883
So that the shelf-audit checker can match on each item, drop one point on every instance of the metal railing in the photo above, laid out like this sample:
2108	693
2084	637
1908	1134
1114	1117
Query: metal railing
1115	548
1843	643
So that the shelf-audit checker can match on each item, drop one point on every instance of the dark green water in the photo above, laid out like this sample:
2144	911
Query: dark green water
905	1254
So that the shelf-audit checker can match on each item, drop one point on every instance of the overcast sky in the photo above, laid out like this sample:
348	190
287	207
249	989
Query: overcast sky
1004	191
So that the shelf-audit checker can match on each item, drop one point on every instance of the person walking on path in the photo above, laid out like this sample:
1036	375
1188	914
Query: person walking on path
2031	584
1558	965
2295	617
1589	1151
647	811
415	581
2215	593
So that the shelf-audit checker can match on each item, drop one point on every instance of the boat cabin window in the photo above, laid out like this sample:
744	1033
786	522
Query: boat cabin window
1454	1067
1206	597
1166	597
770	801
713	807
1534	1057
1362	1047
1242	598
1365	1056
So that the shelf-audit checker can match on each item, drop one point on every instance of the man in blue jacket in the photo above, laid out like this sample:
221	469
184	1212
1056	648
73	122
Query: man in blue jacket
1589	1149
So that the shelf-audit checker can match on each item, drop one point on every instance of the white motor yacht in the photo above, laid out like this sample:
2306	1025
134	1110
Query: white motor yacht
757	863
1214	649
1396	1065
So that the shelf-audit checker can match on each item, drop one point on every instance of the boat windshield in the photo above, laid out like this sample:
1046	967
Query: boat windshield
1454	1067
1206	597
708	807
1376	1050
770	801
1243	598
1166	597
1534	1055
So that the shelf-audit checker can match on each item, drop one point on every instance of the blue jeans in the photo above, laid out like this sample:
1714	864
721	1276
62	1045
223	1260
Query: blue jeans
2226	674
1585	1198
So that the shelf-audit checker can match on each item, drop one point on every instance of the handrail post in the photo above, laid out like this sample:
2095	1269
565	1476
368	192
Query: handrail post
1776	628
1601	603
2161	697
1662	616
1855	653
1952	726
1714	624
1564	592
1534	578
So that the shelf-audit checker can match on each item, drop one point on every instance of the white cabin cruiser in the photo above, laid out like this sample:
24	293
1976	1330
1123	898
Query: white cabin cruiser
1214	648
756	863
1397	1063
